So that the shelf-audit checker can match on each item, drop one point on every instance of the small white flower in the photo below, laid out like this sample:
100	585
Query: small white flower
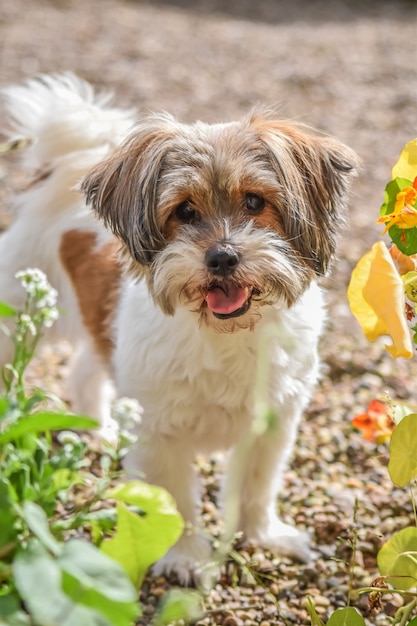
127	438
127	412
36	284
26	324
32	278
49	316
46	298
66	437
42	297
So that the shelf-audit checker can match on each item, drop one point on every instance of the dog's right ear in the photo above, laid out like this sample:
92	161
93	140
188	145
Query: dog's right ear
123	188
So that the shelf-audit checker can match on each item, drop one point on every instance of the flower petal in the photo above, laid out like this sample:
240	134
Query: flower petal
404	263
376	298
406	166
376	408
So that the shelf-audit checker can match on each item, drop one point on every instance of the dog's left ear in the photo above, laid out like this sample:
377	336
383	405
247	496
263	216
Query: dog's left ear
314	172
123	188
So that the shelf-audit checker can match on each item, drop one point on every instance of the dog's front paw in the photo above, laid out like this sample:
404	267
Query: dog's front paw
187	560
284	539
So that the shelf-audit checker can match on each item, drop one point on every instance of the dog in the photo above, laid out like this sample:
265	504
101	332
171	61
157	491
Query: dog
174	248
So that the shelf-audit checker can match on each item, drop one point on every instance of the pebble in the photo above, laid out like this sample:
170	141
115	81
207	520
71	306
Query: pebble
232	620
158	592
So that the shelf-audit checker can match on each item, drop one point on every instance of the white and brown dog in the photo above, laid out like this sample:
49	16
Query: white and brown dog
223	230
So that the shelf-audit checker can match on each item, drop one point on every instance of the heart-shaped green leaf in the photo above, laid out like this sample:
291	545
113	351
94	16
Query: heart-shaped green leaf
402	465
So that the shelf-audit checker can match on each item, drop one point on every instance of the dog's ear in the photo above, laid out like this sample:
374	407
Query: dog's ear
123	188
314	172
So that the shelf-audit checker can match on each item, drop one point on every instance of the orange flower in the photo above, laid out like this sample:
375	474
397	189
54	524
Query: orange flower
405	214
404	263
376	424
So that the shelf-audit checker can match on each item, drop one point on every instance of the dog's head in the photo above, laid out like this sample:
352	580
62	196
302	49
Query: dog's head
224	218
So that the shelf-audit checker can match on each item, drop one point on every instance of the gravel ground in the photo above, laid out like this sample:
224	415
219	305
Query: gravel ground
350	69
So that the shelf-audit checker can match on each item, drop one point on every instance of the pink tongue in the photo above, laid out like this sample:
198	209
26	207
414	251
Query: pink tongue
218	301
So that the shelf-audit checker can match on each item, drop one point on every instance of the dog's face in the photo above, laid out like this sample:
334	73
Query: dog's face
224	218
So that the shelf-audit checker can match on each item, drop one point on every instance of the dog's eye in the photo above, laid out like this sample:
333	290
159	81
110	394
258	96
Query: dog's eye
186	213
254	203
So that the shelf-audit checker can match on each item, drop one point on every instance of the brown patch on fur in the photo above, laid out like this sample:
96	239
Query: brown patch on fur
170	228
95	275
269	218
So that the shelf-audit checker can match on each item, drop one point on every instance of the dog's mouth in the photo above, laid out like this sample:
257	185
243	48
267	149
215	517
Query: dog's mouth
226	299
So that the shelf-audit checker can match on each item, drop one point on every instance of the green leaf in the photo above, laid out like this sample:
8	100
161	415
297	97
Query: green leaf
6	310
117	613
45	421
346	617
141	540
413	622
402	465
82	586
38	579
151	499
93	568
398	559
4	406
127	545
405	240
95	580
181	604
9	605
390	194
35	517
11	613
8	532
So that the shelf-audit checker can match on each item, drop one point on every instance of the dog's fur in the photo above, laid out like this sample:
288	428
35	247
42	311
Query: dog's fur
223	230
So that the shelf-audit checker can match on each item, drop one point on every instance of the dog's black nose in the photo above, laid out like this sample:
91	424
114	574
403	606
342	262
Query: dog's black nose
222	261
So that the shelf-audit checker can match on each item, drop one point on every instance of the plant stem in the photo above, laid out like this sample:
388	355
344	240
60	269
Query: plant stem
404	612
353	556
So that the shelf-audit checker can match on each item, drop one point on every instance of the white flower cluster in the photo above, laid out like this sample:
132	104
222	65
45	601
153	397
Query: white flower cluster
127	412
41	295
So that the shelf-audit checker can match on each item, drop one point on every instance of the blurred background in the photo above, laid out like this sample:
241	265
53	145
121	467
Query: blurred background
348	67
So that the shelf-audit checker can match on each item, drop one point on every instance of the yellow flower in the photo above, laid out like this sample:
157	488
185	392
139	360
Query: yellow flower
406	166
405	214
376	298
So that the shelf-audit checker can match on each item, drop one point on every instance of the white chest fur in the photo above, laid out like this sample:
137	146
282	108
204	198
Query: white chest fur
200	383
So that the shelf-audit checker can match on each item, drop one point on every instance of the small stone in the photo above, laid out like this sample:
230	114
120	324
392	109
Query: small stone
321	601
158	592
232	620
274	589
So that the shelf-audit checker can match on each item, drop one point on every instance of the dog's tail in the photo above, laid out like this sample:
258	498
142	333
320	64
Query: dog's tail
63	119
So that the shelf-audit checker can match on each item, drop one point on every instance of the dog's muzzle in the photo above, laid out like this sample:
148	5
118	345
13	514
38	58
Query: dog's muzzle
224	297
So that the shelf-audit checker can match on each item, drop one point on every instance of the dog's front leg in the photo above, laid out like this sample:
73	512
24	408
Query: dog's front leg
166	462
259	486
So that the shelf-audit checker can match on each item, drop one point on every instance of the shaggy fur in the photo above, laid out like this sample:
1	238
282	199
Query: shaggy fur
222	230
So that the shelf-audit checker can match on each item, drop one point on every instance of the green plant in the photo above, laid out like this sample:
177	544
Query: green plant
383	296
68	556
